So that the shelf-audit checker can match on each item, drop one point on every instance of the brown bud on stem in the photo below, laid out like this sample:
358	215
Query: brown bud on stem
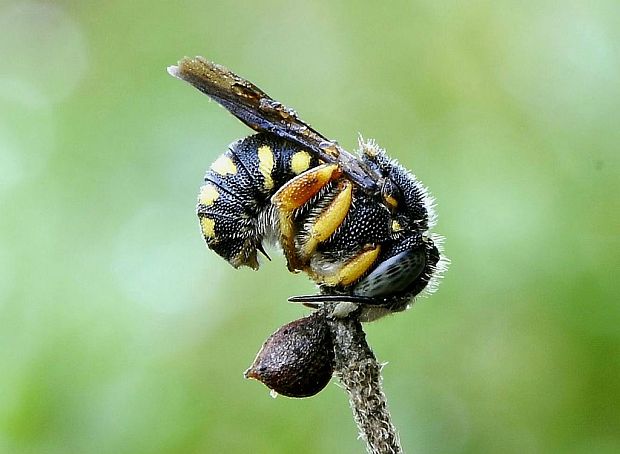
296	360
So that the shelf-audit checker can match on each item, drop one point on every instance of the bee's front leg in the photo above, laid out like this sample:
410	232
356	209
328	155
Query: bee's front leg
397	274
345	273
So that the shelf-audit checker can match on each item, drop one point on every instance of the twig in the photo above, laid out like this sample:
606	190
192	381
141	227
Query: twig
359	372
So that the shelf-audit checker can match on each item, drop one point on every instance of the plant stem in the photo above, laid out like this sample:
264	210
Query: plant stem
359	372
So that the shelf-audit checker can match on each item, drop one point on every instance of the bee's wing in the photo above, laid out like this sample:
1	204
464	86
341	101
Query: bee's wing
256	109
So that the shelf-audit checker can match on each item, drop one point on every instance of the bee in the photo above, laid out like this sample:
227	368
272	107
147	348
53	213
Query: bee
357	225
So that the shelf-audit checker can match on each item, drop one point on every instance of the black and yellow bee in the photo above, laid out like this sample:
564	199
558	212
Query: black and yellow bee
357	225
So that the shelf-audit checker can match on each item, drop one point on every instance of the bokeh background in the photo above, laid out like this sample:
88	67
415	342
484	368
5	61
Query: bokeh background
121	333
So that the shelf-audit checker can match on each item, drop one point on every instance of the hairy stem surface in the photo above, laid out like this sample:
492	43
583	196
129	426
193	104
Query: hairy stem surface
359	372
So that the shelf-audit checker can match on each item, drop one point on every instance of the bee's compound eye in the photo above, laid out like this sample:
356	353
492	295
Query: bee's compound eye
394	275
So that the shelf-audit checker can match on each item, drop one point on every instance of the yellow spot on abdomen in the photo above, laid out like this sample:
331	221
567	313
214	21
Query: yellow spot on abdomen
224	165
300	162
265	165
208	194
207	226
396	227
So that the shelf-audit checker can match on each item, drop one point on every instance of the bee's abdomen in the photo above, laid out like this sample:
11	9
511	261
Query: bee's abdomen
237	191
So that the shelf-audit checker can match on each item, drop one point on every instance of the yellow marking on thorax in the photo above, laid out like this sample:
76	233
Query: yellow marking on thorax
396	227
208	227
300	162
208	194
265	165
391	201
224	165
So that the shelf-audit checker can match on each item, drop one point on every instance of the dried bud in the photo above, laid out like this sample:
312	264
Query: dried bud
296	360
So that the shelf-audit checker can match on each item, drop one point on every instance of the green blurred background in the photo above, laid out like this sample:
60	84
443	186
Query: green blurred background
121	333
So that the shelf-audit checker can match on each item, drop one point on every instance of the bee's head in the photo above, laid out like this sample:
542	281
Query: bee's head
406	198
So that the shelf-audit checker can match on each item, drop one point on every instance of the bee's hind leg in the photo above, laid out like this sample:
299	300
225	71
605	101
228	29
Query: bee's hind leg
294	195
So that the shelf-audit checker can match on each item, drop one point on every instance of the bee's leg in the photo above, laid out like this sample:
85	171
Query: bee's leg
396	276
326	223
295	194
331	275
392	276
